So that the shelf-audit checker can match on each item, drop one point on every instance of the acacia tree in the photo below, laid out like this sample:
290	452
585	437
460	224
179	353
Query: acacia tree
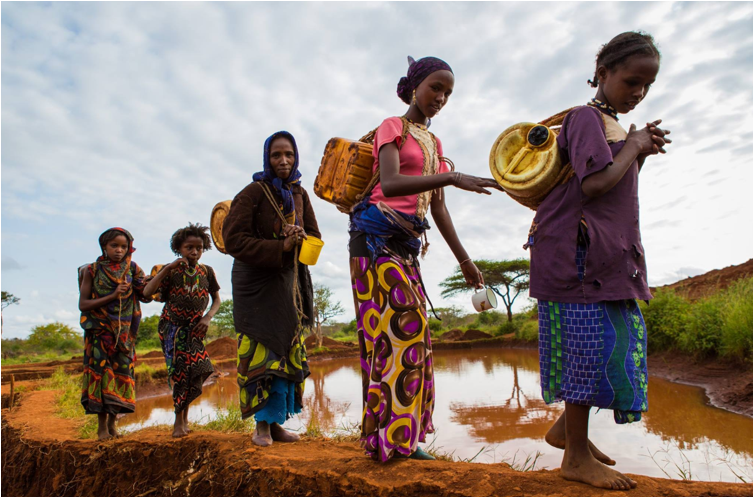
324	309
8	300
507	279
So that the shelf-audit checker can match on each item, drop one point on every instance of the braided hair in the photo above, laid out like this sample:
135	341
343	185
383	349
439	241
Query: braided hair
622	47
192	229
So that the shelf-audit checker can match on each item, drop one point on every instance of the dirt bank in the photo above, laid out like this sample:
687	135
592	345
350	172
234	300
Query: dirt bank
42	457
728	386
709	283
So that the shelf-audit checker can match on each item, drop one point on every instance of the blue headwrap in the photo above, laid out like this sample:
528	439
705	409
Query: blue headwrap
282	187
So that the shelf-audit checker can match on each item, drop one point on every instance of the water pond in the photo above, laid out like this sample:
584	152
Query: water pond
489	408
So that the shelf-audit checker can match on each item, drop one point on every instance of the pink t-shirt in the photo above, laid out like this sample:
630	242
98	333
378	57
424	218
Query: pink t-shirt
411	163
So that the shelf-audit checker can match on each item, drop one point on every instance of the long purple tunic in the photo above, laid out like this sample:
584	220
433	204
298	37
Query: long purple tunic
615	267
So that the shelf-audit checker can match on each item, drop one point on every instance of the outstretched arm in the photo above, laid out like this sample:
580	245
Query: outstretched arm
395	184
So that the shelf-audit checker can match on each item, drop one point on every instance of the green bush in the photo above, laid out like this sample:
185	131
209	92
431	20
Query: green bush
507	327
489	319
148	331
529	331
737	321
666	319
435	324
719	325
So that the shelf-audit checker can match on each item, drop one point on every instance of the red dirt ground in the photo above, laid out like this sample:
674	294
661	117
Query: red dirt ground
476	335
709	283
40	456
222	348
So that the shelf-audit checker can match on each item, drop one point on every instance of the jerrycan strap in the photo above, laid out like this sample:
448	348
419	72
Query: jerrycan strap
369	138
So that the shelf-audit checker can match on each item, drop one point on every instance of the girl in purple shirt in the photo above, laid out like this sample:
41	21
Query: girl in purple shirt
587	263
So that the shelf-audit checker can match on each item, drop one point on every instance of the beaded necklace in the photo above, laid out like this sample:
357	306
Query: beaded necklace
422	126
608	109
189	285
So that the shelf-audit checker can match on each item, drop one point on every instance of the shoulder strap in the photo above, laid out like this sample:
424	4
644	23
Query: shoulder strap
369	138
272	201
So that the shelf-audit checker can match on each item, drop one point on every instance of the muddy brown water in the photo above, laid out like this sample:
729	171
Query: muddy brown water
489	406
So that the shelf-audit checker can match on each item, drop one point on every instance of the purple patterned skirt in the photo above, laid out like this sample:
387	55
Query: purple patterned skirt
397	367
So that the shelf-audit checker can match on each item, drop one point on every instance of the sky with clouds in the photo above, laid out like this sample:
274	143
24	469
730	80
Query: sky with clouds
145	115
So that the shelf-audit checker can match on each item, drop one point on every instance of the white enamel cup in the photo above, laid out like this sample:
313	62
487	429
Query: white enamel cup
484	299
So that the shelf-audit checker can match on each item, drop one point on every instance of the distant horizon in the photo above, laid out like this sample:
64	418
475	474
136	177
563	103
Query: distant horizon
145	115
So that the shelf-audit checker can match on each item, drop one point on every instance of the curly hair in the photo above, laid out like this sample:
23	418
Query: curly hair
622	47
192	229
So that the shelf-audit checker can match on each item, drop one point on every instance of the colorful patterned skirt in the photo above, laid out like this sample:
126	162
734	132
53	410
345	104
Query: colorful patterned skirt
397	367
188	364
271	386
108	386
594	355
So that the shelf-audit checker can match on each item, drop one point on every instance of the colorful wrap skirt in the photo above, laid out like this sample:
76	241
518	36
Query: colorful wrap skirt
188	364
108	385
594	355
397	367
271	386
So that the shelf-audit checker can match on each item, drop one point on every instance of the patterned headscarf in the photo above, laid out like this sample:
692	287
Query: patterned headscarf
417	72
281	186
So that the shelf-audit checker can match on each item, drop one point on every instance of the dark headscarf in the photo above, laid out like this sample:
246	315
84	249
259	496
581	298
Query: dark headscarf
417	72
282	187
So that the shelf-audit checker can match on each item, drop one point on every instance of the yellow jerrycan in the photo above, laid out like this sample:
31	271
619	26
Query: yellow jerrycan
526	161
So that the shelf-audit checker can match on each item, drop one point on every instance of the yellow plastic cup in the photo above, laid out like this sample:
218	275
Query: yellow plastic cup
310	250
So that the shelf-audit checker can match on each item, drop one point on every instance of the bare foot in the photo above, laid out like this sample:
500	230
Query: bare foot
186	429
179	430
111	425
588	470
102	432
280	434
556	438
262	436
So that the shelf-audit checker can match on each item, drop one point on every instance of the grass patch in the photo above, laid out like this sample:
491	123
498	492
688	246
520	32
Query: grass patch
68	401
720	325
27	358
228	420
318	350
145	373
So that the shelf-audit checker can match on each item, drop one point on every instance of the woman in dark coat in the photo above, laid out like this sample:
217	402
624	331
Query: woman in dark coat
272	291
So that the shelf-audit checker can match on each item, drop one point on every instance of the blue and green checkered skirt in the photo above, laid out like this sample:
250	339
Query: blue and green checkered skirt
594	355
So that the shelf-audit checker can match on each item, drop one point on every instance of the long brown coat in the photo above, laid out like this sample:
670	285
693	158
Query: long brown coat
252	226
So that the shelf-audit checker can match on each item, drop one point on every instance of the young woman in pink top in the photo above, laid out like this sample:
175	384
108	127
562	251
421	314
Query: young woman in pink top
385	241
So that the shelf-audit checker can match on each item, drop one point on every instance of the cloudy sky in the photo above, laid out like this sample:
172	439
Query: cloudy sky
145	115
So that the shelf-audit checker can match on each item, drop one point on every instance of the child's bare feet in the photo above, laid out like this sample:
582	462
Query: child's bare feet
556	438
262	436
186	429
585	468
179	430
280	434
102	432
111	428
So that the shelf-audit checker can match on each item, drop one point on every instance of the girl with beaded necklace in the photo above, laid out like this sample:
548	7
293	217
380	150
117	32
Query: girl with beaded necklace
385	240
185	286
587	262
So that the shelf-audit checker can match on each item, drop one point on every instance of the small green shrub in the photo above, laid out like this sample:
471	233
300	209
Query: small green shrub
737	321
528	331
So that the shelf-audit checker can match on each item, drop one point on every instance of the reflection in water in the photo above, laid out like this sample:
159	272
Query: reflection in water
491	399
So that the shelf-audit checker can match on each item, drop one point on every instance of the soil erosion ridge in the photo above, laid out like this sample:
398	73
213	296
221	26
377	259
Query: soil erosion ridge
41	456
